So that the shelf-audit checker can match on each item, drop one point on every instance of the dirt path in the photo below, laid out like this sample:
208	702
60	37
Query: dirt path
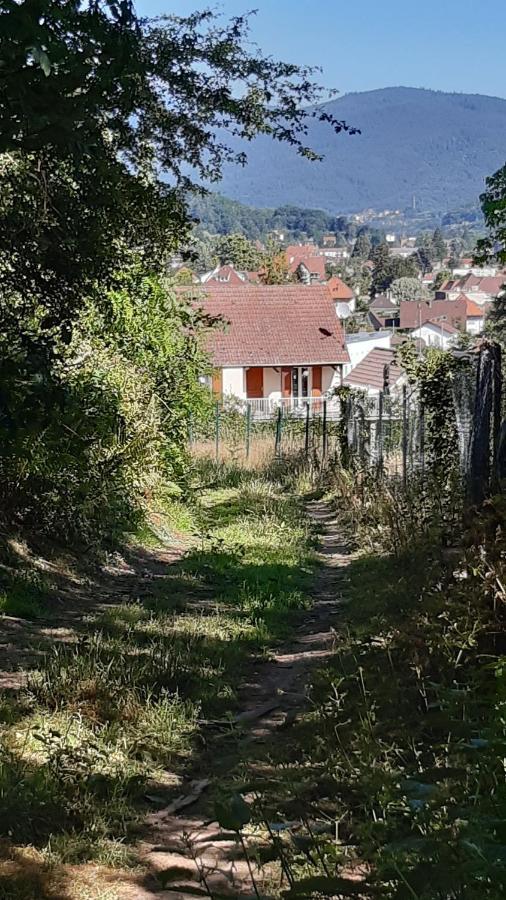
185	843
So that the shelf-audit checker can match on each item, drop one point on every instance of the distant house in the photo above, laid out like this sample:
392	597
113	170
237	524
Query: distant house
343	296
481	289
376	372
383	313
225	275
436	333
360	344
413	313
275	344
476	315
308	269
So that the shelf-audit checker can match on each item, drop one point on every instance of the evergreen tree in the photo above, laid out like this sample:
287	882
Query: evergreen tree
438	245
362	248
239	252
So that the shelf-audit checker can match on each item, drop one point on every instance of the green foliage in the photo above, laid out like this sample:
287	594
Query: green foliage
408	289
239	251
493	205
388	269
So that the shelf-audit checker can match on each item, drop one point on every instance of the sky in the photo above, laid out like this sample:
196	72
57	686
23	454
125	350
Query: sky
448	45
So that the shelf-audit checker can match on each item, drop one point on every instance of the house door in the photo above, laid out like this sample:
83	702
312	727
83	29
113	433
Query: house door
254	382
317	381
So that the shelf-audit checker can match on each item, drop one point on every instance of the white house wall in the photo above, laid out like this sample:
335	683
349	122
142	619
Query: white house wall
234	382
475	325
358	349
272	383
434	337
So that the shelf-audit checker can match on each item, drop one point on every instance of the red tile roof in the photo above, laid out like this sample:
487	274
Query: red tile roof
472	309
370	371
273	325
297	251
441	325
225	274
314	264
339	289
415	312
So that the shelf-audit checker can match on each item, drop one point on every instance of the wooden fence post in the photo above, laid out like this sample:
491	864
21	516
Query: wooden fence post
479	454
307	429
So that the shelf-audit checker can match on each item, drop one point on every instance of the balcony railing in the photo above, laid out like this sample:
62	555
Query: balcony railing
267	407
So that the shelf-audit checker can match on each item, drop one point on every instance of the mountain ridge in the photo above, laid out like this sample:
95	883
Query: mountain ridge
436	145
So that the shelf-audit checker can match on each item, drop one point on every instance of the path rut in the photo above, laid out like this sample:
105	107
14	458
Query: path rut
188	843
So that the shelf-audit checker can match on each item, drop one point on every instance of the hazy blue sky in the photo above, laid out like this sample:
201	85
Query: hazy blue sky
450	45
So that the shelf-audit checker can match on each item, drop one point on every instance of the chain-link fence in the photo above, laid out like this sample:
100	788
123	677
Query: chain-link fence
396	433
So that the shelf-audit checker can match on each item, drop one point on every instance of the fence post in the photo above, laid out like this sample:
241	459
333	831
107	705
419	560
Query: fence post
306	434
324	429
379	433
496	412
217	431
404	435
248	429
279	426
479	455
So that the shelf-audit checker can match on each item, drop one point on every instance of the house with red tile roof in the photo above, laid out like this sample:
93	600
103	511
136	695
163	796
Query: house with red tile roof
273	343
413	313
436	333
226	275
308	269
377	371
475	316
480	288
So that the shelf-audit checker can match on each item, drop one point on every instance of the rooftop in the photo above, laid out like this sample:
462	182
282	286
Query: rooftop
370	372
272	325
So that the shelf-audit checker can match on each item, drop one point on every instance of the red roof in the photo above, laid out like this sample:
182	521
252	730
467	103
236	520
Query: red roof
441	325
370	371
415	312
225	275
314	264
271	325
472	308
339	289
297	251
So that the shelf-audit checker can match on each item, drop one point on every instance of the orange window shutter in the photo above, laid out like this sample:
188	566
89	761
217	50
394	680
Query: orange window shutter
317	381
255	382
217	384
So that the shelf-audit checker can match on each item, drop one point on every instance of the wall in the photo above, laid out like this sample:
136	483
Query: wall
358	347
433	337
272	383
475	325
234	382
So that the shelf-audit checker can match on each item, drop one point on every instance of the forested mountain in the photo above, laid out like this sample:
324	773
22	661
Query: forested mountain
435	146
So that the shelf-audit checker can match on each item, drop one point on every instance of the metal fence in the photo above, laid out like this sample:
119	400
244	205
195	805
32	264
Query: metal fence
392	432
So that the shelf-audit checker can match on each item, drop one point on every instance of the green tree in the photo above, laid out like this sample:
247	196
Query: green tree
380	279
438	245
492	248
408	289
362	248
239	252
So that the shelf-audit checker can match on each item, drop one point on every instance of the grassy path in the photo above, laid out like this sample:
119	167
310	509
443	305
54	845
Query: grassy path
189	848
156	681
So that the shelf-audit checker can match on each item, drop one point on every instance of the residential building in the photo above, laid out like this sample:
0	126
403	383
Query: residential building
228	275
308	269
383	313
481	289
275	344
413	313
436	333
377	371
343	297
475	316
360	345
